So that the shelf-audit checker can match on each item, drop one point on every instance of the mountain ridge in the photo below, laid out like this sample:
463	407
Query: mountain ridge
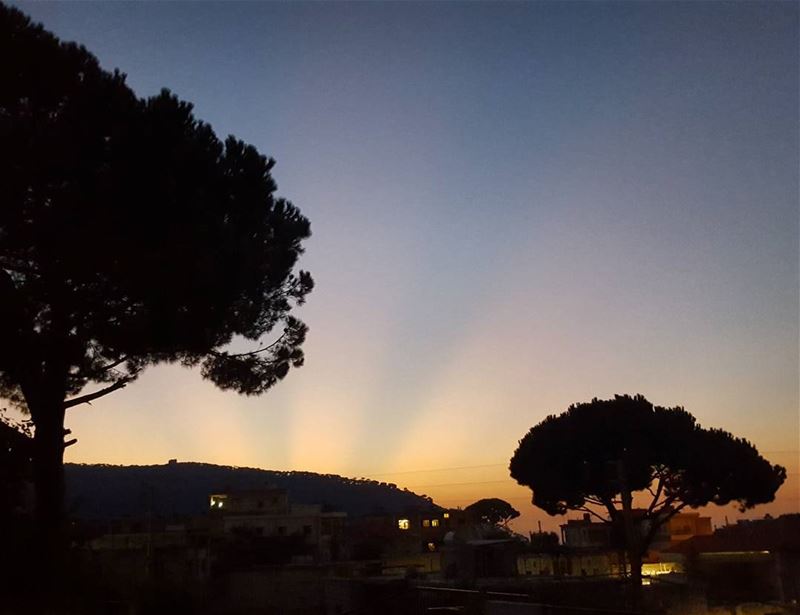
106	491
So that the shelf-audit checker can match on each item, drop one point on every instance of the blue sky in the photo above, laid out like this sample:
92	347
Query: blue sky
515	206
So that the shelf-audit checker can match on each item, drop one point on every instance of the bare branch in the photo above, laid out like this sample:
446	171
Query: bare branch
662	505
90	397
591	512
108	367
119	361
253	352
655	495
593	500
612	512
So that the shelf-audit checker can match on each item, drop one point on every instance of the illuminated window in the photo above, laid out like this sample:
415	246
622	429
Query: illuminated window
426	523
434	523
403	524
446	515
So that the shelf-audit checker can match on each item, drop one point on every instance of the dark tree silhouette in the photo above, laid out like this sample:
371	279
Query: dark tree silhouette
493	511
16	452
130	235
594	456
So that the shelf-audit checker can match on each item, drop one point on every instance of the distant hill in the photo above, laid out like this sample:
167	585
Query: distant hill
101	491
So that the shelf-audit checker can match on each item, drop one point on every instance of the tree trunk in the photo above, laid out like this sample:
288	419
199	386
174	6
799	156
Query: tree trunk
633	537
48	467
635	559
49	548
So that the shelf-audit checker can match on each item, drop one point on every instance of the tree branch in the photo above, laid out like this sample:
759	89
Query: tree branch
105	368
663	503
591	512
90	397
253	352
592	500
655	495
112	365
657	522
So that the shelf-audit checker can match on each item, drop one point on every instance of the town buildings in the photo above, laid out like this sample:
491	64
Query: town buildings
752	560
268	514
257	551
591	548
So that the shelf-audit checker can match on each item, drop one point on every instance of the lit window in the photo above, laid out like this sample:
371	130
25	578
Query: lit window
434	523
426	523
446	515
403	524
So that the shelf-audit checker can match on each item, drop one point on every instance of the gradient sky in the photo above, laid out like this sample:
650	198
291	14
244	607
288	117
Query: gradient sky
514	206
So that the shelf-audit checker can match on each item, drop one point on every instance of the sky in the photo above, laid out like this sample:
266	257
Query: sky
514	207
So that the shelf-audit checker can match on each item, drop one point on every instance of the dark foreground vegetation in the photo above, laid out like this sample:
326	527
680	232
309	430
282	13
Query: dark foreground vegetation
130	235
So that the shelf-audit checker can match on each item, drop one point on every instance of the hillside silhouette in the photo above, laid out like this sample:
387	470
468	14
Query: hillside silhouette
100	491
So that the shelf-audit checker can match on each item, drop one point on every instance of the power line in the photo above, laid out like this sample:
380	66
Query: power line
479	482
504	465
486	465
